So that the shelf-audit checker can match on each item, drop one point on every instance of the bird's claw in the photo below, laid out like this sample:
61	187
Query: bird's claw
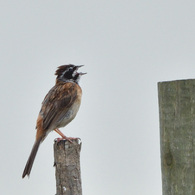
67	138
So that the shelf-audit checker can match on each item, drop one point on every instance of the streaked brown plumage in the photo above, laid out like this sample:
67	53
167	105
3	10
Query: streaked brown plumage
59	107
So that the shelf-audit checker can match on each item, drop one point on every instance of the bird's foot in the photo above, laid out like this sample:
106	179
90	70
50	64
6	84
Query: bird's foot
67	138
64	137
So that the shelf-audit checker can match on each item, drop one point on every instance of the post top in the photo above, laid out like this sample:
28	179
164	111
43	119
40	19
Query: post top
179	80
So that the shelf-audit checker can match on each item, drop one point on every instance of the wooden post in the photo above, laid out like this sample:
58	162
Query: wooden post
67	163
177	136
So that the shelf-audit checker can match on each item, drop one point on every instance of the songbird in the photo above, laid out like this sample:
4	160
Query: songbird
59	108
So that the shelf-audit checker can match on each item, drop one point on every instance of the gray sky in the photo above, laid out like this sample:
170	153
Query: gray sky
127	47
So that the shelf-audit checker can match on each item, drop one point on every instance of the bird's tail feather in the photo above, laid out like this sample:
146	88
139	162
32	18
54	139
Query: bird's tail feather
31	158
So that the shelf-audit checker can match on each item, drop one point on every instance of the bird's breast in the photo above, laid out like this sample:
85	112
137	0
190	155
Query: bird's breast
72	111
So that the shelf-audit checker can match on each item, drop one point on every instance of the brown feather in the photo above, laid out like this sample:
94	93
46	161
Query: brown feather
31	158
40	136
57	103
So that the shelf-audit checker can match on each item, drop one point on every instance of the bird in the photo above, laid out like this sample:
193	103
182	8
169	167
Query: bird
59	108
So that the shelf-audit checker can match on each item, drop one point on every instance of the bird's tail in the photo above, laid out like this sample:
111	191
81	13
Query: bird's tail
31	158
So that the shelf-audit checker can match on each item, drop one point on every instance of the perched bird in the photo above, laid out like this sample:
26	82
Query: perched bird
59	108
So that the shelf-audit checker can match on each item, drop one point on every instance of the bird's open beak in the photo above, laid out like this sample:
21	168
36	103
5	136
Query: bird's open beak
79	66
81	73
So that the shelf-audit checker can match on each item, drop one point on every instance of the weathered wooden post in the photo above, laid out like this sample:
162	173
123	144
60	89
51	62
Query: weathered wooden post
67	163
177	136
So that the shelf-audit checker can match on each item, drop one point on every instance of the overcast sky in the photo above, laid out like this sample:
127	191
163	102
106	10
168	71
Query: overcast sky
127	47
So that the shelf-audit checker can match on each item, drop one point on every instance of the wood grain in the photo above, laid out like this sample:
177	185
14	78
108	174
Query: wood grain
177	136
67	163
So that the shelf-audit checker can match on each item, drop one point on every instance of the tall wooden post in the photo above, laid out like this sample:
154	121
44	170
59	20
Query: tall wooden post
177	136
67	163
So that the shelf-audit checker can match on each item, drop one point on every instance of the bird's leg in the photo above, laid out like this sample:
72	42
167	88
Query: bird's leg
64	137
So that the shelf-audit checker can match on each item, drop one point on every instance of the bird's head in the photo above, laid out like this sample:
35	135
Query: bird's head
68	72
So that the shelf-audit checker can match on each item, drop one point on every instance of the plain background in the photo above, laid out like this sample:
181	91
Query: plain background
127	47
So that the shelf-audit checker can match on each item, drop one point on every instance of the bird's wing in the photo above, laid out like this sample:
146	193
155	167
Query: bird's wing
57	102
